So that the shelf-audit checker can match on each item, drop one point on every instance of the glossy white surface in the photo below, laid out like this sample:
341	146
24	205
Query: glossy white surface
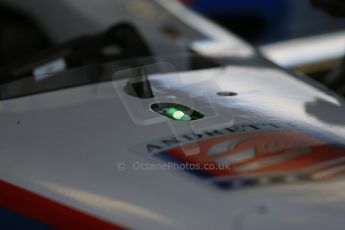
66	144
304	51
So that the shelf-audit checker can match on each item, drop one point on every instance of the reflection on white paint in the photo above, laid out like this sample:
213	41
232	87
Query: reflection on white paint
306	50
104	203
331	192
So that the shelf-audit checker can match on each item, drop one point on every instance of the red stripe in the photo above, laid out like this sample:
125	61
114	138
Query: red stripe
186	2
48	211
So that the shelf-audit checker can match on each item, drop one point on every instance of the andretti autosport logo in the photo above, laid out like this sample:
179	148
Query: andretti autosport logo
262	154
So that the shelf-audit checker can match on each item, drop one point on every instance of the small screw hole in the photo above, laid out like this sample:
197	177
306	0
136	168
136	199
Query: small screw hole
228	94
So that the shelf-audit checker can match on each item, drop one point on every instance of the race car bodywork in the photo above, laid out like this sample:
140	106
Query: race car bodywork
268	152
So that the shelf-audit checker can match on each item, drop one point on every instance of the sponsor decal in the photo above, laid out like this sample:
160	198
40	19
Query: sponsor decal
255	154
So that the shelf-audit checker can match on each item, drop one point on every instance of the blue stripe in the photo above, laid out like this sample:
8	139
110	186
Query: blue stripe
12	220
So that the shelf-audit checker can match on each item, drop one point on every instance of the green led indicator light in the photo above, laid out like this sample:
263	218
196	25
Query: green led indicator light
178	114
171	111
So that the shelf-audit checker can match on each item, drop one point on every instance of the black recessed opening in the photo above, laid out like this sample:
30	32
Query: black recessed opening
226	94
